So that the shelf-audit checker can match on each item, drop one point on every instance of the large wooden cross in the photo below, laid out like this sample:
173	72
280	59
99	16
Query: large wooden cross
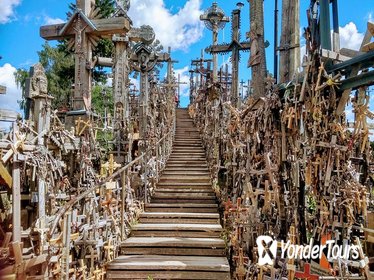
84	30
235	46
214	19
143	60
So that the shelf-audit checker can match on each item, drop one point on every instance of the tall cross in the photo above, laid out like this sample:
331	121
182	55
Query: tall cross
215	19
84	31
143	60
234	47
257	59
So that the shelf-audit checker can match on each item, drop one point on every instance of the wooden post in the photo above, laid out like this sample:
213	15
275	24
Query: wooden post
290	40
66	242
257	59
123	206
16	193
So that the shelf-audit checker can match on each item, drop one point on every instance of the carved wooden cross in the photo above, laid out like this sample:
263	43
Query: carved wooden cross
143	60
332	146
215	19
306	273
235	46
238	210
241	261
84	31
109	166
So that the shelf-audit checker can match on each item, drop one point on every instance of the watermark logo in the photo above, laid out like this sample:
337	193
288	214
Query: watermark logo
267	249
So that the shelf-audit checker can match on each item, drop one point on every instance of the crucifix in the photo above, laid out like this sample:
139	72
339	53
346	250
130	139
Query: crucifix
214	19
143	60
235	46
306	274
333	147
84	30
199	68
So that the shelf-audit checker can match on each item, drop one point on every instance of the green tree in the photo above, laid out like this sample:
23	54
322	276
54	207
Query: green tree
20	76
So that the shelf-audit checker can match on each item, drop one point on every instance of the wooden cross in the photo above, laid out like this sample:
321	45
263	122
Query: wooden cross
84	30
238	210
143	60
331	146
291	262
79	129
241	261
109	166
306	273
235	46
215	19
228	205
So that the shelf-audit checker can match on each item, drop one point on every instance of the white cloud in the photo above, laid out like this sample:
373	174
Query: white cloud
48	20
7	10
13	94
179	30
350	37
184	78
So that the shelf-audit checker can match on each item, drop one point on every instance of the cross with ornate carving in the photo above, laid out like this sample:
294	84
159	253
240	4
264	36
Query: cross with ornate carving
84	29
109	166
241	261
238	210
214	19
235	46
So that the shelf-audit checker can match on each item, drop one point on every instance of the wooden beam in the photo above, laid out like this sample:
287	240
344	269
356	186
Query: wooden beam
2	89
105	26
5	175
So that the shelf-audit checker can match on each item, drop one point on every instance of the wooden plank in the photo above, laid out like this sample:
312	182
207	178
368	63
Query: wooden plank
104	27
182	215
191	227
168	275
154	262
182	251
173	242
181	205
5	175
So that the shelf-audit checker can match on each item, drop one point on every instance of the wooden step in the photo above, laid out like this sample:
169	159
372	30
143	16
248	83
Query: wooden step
166	267
186	191
187	161
184	179
188	155
182	246
187	218
176	230
193	185
185	172
182	207
184	195
176	168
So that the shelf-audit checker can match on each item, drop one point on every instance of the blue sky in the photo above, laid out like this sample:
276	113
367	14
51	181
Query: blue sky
175	22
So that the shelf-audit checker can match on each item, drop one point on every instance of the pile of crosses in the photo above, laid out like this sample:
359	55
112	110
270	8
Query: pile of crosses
286	163
66	202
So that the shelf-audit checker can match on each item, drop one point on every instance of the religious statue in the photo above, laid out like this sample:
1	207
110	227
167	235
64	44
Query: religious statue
38	81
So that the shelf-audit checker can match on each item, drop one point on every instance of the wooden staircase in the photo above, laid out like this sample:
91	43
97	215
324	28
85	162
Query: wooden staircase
178	235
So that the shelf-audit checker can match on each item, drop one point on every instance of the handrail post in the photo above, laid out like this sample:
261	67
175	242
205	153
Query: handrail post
123	182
